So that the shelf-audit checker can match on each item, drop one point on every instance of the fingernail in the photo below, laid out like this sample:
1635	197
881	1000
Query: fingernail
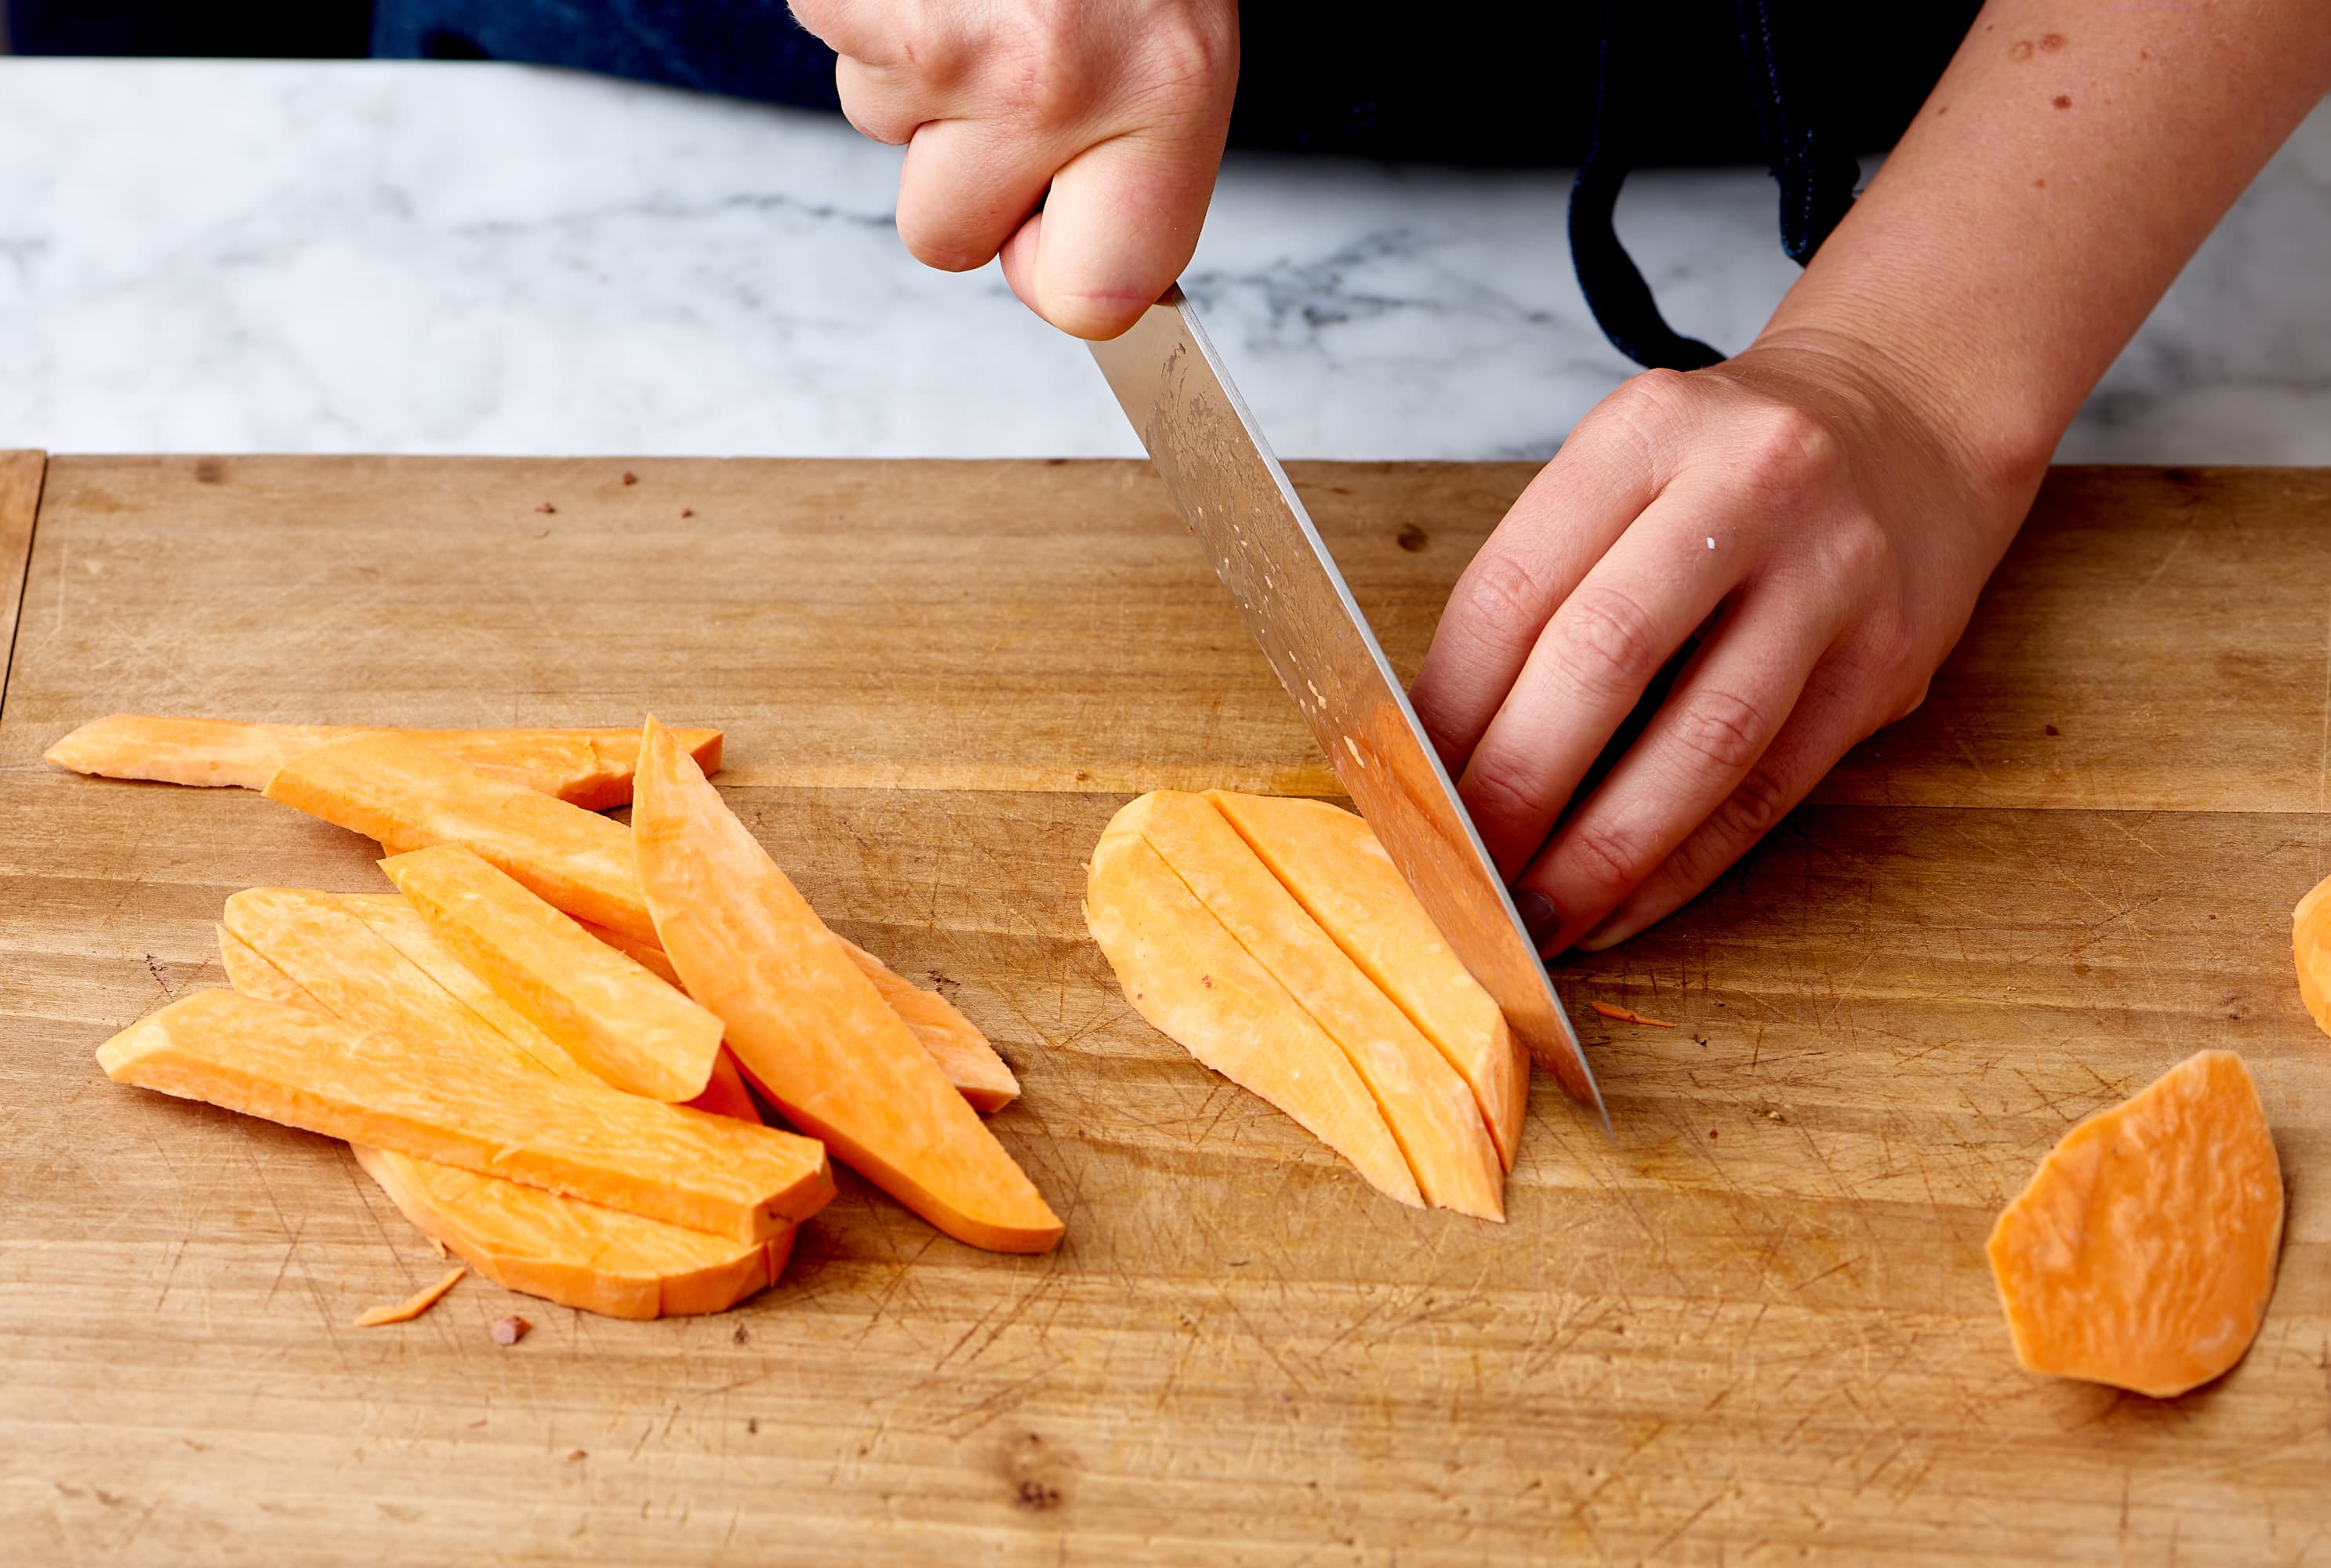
1540	918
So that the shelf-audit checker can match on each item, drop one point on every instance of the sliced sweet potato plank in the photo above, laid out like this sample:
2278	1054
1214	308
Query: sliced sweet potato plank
1188	976
410	797
589	767
1330	860
1428	1107
807	1024
413	1306
544	1243
632	1028
726	1094
955	1043
575	1253
400	924
436	1098
2142	1253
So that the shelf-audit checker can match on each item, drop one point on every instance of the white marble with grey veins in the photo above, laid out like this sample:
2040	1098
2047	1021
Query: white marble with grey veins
378	257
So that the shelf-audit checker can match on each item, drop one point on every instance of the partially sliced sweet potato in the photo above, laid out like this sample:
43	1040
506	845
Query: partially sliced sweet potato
2310	941
807	1025
980	1075
632	1028
1430	1109
439	1099
1187	975
2142	1254
1331	861
575	1253
410	797
591	768
544	1243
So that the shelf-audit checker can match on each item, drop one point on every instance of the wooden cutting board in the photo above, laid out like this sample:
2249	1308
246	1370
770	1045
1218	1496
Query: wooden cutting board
1759	1325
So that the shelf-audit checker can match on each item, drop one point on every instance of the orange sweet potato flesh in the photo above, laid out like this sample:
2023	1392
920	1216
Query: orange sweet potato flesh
410	797
2142	1252
591	768
955	1043
2310	932
413	1306
626	1025
1331	861
1428	1107
490	1112
575	1253
1188	976
807	1024
548	1244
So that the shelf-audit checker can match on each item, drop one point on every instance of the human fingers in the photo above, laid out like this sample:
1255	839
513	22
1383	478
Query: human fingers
1830	717
1121	222
1599	651
966	187
1600	481
1727	708
883	105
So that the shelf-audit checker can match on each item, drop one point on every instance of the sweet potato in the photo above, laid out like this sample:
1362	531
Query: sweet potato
807	1024
980	1075
591	768
1188	976
1332	863
544	1243
630	1027
410	797
443	1099
575	1253
1430	1108
413	1306
2142	1254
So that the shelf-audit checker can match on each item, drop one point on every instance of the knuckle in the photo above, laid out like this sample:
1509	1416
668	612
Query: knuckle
1606	857
1754	808
1725	729
1504	600
1605	642
1785	449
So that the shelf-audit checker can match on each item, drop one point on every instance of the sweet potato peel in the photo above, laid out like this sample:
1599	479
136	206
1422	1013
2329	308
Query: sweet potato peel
413	1306
804	1022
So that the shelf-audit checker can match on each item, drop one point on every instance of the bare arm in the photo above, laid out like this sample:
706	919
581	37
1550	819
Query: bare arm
1824	507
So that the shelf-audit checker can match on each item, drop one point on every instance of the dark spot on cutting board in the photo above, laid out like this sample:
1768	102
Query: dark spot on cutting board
741	1336
1037	1474
1414	539
2180	476
209	470
630	478
753	1426
2051	729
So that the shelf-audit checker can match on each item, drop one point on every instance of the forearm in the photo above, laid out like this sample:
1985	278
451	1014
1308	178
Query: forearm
2071	159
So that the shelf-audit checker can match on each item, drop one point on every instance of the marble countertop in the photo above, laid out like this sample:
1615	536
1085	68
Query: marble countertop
424	258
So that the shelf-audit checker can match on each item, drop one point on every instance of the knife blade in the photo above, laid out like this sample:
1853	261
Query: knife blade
1237	500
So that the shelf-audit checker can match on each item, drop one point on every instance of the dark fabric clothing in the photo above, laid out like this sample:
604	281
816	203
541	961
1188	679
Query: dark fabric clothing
1608	86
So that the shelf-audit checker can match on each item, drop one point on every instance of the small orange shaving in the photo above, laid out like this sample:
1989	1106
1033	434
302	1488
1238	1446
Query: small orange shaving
1628	1015
413	1306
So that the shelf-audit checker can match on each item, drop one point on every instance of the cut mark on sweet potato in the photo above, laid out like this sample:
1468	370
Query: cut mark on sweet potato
804	1022
2142	1253
1332	863
1160	939
413	1306
1428	1107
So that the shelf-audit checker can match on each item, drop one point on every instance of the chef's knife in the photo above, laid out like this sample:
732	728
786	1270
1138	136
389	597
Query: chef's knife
1236	498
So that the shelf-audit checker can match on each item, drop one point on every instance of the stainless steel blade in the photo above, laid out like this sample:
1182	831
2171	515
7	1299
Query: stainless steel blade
1236	498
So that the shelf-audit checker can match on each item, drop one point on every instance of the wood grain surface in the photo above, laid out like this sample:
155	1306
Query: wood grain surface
1757	1327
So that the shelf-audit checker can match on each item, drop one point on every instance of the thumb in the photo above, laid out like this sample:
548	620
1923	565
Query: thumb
1119	223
